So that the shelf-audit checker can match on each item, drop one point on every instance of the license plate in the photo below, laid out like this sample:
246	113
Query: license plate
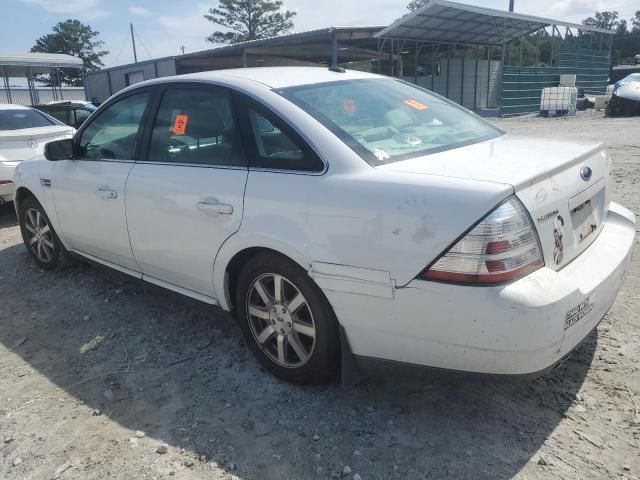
583	220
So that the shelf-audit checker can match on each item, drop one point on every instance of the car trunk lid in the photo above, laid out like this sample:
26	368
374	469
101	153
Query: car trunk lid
24	144
567	205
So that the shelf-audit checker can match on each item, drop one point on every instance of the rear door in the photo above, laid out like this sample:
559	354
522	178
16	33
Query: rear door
89	191
185	198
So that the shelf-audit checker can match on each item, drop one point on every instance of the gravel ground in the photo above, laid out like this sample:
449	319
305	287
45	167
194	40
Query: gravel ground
105	377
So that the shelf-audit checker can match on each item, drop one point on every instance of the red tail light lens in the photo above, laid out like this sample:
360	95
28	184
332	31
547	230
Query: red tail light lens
503	247
5	182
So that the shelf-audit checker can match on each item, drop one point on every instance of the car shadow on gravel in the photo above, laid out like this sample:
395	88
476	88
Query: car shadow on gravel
178	370
7	216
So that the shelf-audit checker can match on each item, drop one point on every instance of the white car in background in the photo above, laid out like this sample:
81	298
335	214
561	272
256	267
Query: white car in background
340	215
23	134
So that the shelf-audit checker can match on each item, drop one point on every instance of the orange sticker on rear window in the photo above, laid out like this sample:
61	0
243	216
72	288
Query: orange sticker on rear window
180	124
416	104
349	105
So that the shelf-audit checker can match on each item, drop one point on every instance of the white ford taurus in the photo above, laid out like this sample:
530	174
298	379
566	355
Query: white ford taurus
339	214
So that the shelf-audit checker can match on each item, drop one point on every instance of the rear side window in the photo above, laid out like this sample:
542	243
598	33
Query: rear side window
272	144
22	118
195	125
113	134
61	114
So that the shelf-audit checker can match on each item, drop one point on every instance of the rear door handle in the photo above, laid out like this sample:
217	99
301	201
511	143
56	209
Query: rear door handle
212	207
106	192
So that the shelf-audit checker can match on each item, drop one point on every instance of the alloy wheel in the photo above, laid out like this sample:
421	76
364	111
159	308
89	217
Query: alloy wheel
39	235
281	320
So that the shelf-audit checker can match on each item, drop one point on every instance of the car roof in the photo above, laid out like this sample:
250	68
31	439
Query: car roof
276	77
13	106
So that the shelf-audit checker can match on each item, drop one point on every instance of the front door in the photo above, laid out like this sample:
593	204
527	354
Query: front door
185	198
89	192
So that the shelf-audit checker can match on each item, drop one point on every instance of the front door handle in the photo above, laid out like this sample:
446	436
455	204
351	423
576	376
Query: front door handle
212	207
106	192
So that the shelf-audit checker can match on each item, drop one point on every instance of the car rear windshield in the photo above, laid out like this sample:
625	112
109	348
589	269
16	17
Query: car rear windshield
19	118
387	120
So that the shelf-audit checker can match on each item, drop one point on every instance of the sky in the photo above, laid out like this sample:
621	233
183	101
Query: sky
164	27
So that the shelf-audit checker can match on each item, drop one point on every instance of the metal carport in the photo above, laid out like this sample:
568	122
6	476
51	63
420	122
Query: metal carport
27	65
442	32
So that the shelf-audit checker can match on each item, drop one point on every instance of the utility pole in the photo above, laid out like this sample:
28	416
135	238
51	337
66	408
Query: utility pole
511	2
133	42
182	48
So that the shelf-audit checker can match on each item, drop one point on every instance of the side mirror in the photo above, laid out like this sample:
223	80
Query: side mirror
59	150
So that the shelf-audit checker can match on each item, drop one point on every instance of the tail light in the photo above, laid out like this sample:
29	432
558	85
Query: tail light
5	182
503	247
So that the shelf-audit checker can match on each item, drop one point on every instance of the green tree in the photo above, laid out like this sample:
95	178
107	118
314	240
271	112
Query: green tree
73	38
249	20
635	21
416	4
606	19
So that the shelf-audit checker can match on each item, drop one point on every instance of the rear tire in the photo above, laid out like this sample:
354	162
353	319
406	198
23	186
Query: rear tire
39	237
294	333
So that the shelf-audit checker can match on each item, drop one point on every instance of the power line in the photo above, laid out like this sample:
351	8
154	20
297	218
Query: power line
142	43
126	36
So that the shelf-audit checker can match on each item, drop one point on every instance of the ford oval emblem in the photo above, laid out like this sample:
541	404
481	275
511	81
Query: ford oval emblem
585	173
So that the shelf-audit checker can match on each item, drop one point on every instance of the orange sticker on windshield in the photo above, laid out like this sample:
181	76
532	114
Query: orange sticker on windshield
349	105
416	104
180	124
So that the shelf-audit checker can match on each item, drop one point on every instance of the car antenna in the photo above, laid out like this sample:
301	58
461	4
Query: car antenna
333	65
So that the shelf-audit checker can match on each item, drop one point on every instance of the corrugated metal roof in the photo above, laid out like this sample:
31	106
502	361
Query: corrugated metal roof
450	22
49	60
285	40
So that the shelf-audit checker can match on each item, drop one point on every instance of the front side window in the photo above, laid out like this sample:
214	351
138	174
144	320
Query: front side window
114	133
17	119
195	125
385	120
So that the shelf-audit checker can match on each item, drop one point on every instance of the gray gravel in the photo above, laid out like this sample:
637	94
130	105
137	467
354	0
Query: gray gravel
178	371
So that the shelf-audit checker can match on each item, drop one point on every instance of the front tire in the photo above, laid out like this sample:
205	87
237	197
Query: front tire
38	235
286	321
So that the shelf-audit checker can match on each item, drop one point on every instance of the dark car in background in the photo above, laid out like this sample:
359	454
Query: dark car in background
71	112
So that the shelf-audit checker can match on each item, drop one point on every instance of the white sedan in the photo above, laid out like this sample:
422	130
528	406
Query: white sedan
23	134
340	216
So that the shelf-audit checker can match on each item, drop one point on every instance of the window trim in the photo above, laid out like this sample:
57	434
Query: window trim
98	113
244	101
159	92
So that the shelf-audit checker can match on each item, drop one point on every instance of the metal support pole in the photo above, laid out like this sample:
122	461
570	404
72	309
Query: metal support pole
244	58
54	93
391	57
461	76
133	42
59	84
433	67
448	69
488	74
7	86
475	81
30	84
334	48
504	43
415	66
553	44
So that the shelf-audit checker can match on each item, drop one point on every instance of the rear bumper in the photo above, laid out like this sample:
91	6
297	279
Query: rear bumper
520	328
6	190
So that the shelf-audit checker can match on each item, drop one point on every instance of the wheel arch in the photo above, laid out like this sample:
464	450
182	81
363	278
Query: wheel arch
232	257
21	194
